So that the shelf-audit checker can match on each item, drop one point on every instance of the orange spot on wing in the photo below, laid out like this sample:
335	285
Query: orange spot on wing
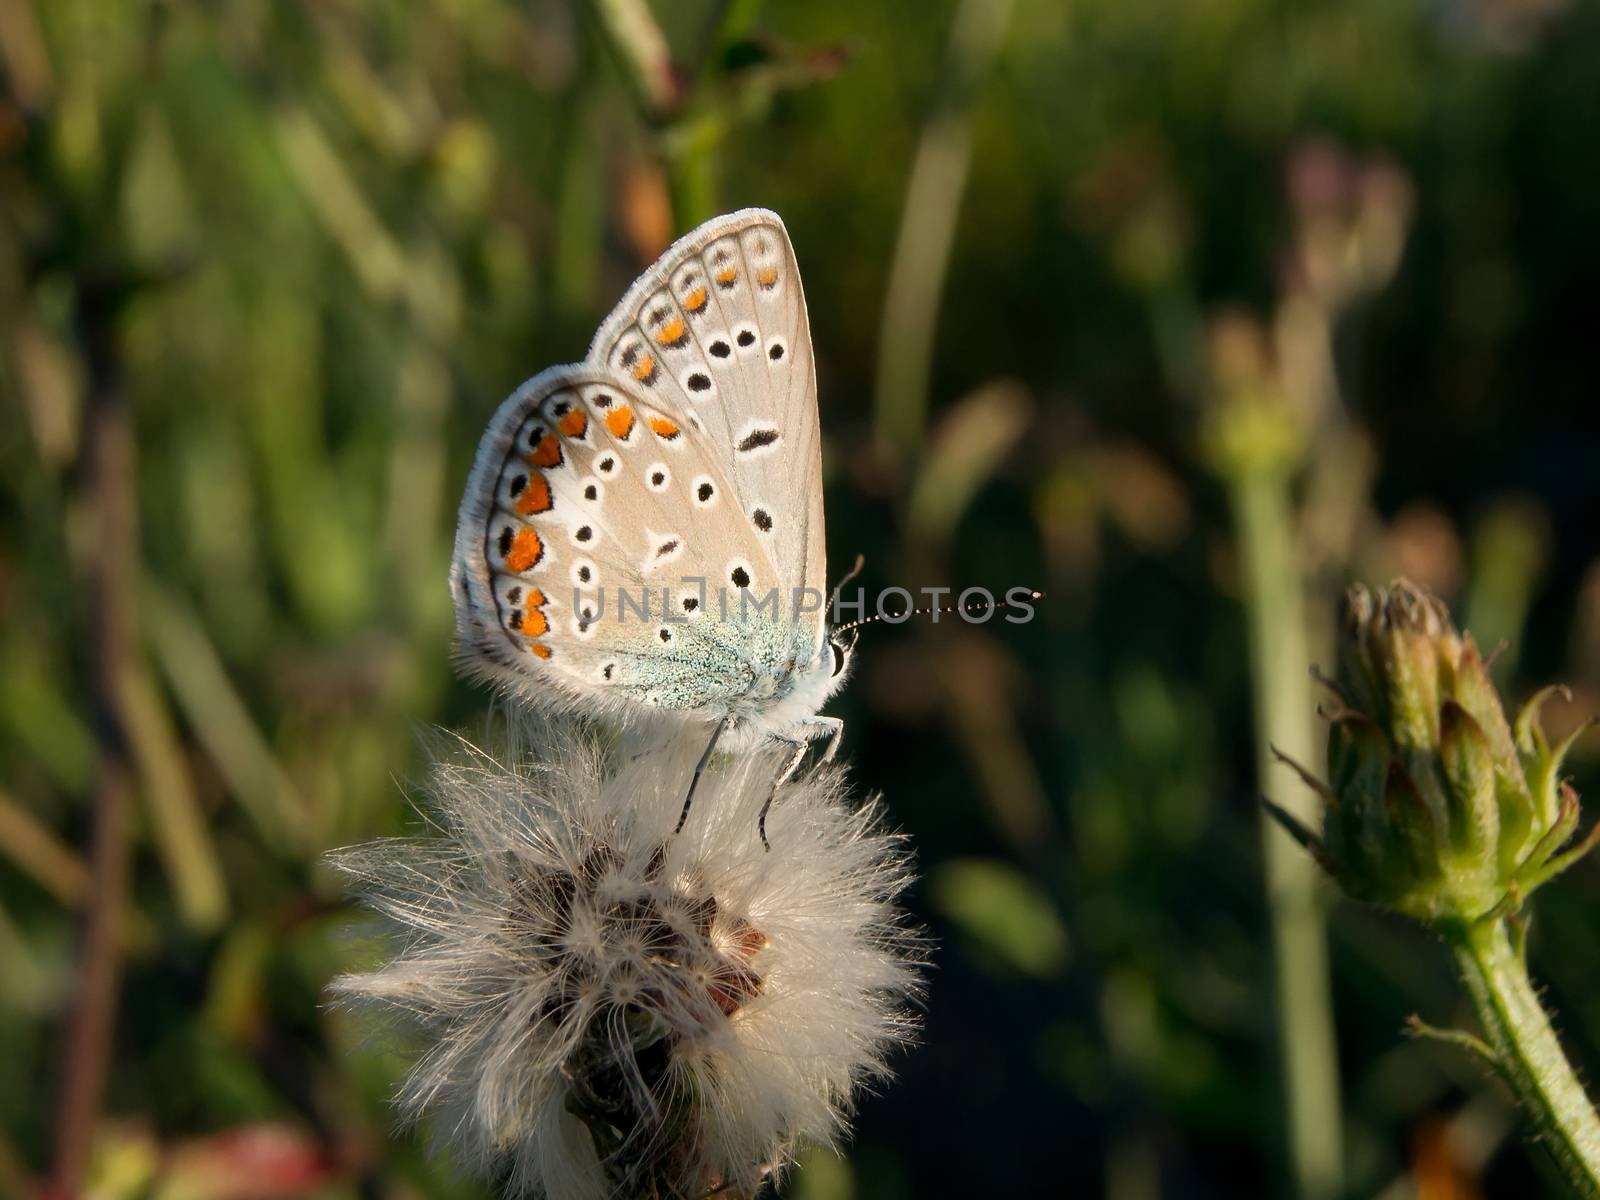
574	424
540	649
547	453
671	332
534	623
664	428
695	301
620	421
727	274
767	276
643	368
535	598
526	551
535	497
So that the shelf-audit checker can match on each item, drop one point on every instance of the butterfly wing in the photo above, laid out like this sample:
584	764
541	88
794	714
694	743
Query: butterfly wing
717	331
587	510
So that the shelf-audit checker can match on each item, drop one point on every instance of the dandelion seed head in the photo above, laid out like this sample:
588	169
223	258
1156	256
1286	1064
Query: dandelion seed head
612	1009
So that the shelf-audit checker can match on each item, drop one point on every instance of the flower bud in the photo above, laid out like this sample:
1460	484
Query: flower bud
1437	807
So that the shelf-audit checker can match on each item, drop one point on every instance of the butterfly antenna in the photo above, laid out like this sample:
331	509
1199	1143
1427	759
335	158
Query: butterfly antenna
976	608
838	589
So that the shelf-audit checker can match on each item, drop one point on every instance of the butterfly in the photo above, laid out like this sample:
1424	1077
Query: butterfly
642	532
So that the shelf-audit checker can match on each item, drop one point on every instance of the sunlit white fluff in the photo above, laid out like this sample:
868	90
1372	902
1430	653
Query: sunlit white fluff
615	1010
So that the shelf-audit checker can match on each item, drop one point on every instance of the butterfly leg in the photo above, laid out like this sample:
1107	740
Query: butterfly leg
831	728
699	767
788	774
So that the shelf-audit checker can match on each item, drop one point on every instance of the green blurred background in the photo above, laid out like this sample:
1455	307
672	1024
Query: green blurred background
1186	312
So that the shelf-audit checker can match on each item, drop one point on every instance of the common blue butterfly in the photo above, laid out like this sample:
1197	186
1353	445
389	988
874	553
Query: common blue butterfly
642	532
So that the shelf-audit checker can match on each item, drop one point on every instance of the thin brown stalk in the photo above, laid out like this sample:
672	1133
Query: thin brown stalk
111	578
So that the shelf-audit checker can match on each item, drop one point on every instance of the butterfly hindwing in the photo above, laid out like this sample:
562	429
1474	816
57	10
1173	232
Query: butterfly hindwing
588	508
717	331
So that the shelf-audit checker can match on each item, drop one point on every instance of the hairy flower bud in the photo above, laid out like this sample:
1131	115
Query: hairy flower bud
1437	807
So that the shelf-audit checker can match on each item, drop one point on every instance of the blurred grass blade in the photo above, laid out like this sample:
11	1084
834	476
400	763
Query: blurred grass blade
28	987
41	718
221	721
641	48
413	539
1510	546
179	826
40	854
50	387
971	441
730	23
579	209
928	226
979	688
27	63
1003	911
339	205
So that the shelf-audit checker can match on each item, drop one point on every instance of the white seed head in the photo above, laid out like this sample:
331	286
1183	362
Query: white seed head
615	1010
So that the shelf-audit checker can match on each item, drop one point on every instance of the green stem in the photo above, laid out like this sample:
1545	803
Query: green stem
1530	1056
1275	611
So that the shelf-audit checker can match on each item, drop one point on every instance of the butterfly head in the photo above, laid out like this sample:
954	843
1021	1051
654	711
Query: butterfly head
842	644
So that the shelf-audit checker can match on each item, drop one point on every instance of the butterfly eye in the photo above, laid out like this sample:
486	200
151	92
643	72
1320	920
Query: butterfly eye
839	658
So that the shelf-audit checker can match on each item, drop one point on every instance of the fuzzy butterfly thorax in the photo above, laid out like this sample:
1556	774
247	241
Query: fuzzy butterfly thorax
642	531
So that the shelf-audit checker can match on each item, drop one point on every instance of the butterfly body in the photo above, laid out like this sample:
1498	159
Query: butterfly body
642	532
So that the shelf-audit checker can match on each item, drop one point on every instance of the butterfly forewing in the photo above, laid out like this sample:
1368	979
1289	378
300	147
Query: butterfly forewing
717	331
591	511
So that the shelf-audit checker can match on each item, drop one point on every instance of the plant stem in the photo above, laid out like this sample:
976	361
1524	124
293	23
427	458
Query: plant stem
113	582
928	226
1275	611
1531	1059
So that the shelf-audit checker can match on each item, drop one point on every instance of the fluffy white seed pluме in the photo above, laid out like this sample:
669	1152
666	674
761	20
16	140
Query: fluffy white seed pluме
611	1009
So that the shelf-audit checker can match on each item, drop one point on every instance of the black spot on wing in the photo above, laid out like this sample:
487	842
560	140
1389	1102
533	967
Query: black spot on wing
756	439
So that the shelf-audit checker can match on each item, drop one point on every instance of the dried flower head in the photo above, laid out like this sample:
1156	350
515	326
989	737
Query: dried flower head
615	1010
